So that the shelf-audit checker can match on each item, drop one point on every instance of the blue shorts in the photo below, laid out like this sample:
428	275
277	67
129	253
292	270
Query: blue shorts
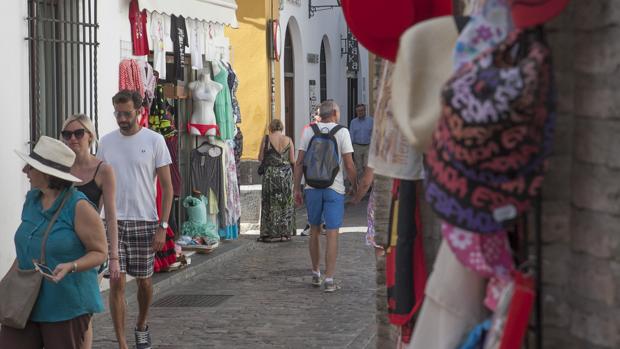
324	205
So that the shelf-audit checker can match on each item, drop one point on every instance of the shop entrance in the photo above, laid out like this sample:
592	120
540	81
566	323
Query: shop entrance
289	105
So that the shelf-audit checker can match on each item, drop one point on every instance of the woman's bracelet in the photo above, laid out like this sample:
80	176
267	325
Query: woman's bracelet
74	269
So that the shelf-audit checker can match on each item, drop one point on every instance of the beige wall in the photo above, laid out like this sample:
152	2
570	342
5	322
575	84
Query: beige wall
252	65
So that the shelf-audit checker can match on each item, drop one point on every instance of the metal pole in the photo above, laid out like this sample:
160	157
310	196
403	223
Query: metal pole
96	44
71	65
539	272
90	61
65	48
84	66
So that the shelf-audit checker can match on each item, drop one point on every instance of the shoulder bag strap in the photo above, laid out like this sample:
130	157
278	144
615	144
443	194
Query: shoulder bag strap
51	223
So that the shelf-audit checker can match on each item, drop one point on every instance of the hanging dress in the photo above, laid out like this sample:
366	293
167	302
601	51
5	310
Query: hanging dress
223	106
278	210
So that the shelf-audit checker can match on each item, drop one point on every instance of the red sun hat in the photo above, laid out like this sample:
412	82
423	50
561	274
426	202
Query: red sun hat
529	13
378	26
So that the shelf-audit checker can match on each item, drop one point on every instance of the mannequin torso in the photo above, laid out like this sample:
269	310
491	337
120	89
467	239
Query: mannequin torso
204	92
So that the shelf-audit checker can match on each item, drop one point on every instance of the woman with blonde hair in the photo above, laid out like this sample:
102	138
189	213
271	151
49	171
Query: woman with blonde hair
277	154
98	185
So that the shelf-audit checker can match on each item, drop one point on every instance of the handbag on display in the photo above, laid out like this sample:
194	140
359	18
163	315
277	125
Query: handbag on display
512	315
19	289
261	167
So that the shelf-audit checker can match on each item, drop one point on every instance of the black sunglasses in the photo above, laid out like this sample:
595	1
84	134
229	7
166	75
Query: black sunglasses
125	114
79	133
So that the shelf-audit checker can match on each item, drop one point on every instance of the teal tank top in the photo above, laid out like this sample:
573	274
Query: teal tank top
77	293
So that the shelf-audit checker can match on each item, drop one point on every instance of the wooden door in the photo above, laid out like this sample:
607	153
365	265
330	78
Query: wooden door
289	106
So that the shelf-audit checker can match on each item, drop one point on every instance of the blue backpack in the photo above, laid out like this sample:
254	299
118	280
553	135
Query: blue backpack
322	161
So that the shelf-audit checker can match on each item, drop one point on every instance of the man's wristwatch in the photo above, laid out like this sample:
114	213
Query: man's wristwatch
164	224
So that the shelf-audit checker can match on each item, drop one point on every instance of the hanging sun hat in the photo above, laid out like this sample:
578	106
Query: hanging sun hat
423	65
529	13
51	157
378	26
489	151
488	27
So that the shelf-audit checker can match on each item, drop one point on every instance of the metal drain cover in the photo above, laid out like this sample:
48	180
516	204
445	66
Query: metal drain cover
191	300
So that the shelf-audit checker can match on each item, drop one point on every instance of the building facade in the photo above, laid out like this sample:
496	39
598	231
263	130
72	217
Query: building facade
316	63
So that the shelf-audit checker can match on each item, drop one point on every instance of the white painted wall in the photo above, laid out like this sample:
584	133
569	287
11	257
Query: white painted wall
113	27
307	36
15	132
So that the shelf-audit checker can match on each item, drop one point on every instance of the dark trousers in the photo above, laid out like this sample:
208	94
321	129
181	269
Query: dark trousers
67	334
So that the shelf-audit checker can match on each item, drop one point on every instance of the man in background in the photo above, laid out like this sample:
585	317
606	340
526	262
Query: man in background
361	130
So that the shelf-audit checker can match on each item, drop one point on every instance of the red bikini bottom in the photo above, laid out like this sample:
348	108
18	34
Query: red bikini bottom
202	128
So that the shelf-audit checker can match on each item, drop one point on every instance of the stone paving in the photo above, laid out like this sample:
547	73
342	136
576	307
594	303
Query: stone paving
273	304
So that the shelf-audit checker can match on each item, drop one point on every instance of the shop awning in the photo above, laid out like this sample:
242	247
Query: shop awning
218	11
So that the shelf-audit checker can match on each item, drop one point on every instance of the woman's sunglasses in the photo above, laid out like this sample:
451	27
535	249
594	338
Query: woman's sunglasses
79	133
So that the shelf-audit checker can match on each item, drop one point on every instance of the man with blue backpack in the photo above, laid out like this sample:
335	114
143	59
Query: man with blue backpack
325	152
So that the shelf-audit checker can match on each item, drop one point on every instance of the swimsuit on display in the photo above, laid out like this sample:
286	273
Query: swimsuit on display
203	118
202	128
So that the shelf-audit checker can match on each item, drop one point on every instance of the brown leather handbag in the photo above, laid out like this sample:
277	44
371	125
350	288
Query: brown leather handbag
19	288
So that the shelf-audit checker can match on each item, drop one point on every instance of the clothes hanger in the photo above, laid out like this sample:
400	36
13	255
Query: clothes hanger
461	22
204	143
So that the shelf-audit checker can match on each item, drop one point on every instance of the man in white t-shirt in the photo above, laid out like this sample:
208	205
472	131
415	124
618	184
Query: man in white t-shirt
326	204
138	156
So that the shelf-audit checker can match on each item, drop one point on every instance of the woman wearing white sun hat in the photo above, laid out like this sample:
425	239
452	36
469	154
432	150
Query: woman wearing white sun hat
75	246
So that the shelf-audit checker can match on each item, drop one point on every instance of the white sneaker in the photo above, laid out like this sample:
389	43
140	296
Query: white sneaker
316	280
306	231
330	286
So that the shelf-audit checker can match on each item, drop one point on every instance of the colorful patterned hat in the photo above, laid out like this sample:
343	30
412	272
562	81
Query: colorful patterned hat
487	160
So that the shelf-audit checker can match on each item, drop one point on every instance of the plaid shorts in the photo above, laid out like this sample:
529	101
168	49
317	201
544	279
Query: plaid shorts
135	254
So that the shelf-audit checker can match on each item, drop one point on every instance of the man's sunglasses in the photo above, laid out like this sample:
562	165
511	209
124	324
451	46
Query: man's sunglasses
125	114
79	133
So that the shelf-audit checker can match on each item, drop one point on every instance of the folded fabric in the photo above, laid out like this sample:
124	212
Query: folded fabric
488	27
208	231
452	306
475	339
486	254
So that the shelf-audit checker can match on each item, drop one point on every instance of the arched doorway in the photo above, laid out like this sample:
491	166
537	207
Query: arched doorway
289	85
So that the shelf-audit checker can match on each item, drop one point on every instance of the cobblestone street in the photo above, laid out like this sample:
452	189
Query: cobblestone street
272	303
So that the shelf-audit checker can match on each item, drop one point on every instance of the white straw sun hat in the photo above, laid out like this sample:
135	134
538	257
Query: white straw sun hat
423	65
51	157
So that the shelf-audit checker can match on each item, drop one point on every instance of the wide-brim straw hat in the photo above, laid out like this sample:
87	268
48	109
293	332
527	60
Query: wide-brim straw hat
51	157
423	65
